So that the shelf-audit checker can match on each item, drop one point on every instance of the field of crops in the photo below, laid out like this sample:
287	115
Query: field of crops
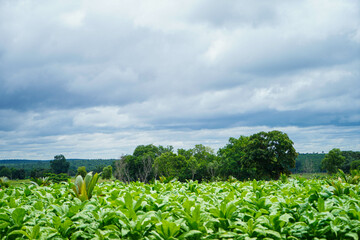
295	209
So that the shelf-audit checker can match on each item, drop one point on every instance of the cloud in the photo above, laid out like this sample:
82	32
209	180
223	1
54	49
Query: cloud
102	69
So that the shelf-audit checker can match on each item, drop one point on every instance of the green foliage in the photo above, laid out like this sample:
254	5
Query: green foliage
57	178
107	172
332	161
295	209
170	165
355	165
59	164
350	156
41	181
308	163
5	172
232	157
81	171
83	187
264	155
352	178
4	182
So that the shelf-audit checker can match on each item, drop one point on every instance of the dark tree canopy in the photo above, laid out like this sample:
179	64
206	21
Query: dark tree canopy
332	161
59	164
81	171
107	172
264	155
270	154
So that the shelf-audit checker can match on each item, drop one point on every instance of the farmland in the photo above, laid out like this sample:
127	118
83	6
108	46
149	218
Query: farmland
288	209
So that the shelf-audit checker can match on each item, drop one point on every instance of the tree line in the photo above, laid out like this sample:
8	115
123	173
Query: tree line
261	156
264	155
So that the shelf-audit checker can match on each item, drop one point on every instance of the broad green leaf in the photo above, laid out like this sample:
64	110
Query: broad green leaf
352	235
35	233
4	224
20	232
4	217
128	201
39	206
18	215
189	234
321	205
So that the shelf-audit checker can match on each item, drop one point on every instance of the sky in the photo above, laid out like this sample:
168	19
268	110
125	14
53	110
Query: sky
95	79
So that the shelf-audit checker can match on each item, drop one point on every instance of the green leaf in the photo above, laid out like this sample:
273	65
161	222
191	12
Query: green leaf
18	216
190	233
56	222
321	205
92	184
4	217
35	234
128	201
4	225
352	235
20	232
39	206
273	234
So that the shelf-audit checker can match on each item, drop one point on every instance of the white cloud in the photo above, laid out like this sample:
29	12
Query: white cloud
74	19
87	69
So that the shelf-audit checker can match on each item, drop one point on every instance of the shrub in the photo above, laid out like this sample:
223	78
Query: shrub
81	171
57	178
107	172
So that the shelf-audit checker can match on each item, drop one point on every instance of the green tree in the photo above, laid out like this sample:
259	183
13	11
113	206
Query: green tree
5	172
107	172
204	156
18	173
193	166
171	165
270	154
355	165
264	155
59	164
333	161
81	171
232	158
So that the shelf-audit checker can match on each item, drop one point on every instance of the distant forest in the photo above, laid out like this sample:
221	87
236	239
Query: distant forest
305	163
95	165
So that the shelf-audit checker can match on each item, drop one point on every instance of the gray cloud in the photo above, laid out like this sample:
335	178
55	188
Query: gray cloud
72	70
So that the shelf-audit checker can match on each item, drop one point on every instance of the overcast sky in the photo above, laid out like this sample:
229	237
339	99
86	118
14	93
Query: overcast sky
94	79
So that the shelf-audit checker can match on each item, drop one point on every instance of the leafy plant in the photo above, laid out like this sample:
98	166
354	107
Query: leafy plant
4	182
41	181
353	178
83	187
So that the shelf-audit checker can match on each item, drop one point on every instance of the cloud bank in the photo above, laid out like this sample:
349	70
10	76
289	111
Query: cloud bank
94	80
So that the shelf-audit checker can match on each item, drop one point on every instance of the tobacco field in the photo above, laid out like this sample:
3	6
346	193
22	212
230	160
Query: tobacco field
291	209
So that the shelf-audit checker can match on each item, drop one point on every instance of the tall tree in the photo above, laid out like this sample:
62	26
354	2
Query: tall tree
232	158
59	164
264	155
171	165
332	161
206	160
270	154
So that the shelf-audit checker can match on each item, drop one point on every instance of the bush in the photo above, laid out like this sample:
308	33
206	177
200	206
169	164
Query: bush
57	178
4	182
81	171
107	172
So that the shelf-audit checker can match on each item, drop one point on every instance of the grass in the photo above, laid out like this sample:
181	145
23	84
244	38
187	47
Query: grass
17	183
311	175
